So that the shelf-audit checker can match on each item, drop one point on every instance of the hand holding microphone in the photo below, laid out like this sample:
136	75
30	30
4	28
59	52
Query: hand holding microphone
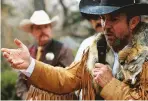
102	73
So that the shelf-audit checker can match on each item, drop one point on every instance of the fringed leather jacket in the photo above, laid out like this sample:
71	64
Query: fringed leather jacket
133	68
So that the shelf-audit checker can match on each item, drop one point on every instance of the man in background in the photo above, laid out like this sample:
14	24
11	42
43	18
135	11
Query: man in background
46	49
95	21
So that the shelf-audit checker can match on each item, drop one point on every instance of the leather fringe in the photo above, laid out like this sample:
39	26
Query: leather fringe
87	85
38	94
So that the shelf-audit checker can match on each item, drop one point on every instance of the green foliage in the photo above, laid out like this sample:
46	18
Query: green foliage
4	65
8	81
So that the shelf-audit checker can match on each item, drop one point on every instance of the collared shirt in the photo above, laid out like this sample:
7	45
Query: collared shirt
116	65
30	69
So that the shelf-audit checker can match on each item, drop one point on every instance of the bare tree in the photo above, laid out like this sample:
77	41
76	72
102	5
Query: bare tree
65	11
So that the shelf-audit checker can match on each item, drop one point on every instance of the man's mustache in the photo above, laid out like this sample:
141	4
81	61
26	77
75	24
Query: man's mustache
43	34
98	25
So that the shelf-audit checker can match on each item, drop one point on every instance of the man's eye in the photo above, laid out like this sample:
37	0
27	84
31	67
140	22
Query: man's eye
37	28
114	19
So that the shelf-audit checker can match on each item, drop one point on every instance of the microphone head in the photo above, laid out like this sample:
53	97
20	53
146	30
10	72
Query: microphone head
102	42
101	47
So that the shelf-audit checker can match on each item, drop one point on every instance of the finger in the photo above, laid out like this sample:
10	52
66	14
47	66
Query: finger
19	43
5	50
95	74
17	62
97	79
10	60
6	55
16	66
102	66
19	66
96	69
99	65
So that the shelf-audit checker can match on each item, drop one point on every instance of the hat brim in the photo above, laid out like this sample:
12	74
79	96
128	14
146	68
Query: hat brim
26	24
133	9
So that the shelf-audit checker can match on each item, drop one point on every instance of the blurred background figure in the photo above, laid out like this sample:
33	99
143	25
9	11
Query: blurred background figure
95	21
46	49
96	25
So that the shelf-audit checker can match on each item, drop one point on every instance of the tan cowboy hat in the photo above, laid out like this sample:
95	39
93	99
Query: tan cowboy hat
38	18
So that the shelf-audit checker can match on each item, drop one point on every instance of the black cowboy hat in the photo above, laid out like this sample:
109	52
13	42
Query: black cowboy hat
99	7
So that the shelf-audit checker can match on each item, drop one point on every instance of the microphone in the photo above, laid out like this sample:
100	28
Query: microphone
101	47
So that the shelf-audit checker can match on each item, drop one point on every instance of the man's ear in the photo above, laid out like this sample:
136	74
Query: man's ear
133	22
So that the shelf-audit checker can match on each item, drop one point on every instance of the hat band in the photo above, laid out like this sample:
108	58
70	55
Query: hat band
117	3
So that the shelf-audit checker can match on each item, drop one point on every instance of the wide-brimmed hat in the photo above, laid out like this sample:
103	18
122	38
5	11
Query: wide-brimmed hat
100	7
38	18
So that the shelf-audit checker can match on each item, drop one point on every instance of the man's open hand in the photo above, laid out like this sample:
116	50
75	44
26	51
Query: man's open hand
18	58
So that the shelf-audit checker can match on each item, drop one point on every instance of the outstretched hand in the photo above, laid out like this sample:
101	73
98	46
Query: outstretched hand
18	58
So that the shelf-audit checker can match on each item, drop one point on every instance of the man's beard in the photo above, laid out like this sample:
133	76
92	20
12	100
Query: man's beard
119	44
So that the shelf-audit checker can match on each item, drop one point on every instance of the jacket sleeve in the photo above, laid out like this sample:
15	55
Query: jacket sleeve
66	56
117	90
57	80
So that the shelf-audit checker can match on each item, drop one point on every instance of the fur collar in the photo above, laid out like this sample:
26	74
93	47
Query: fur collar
133	56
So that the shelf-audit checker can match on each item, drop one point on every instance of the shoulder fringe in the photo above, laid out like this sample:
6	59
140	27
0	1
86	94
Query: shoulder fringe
88	92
